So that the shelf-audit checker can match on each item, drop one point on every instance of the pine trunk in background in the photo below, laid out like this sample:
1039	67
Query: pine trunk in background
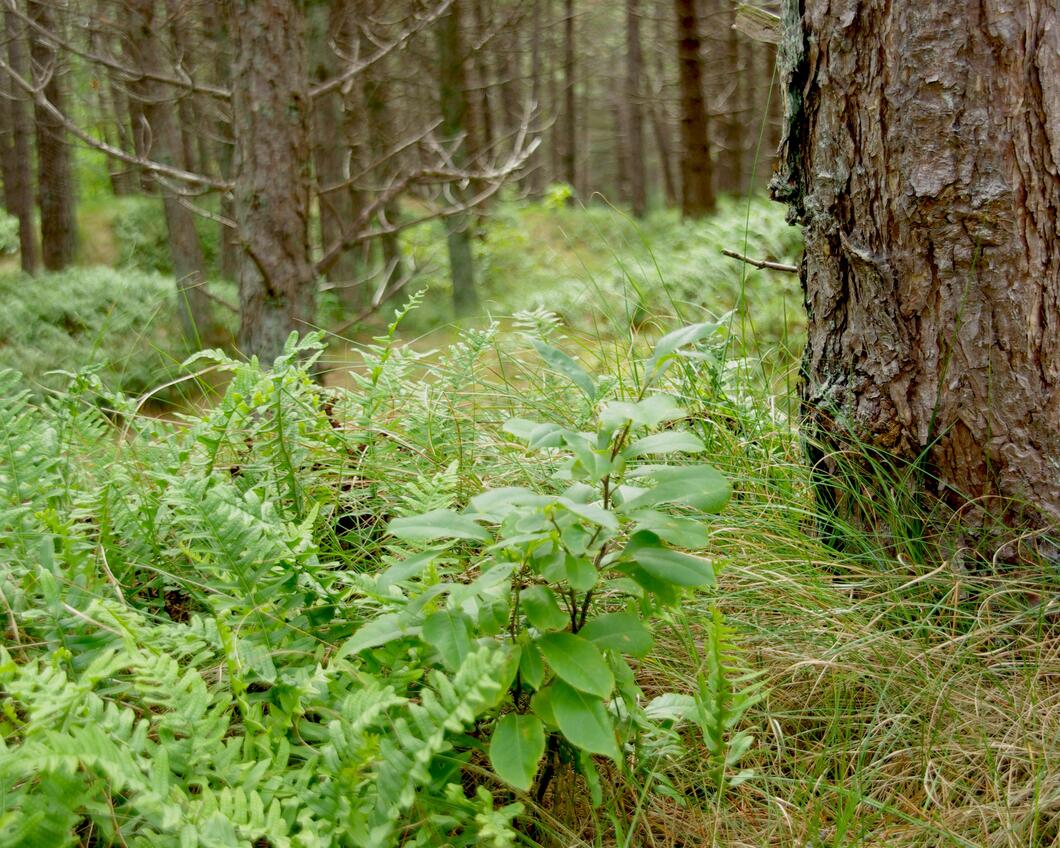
480	134
697	170
376	95
536	177
930	202
184	114
216	22
20	190
635	116
336	202
569	148
270	114
452	80
164	144
55	176
660	116
738	117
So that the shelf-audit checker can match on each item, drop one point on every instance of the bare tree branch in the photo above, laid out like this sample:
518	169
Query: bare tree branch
37	93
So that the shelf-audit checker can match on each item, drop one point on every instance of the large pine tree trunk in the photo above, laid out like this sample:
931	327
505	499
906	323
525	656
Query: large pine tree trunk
922	155
270	115
55	176
697	170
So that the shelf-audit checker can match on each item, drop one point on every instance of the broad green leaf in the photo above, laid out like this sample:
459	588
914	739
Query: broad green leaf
597	465
672	566
618	631
437	524
542	610
649	412
675	529
541	704
671	707
499	502
670	441
698	486
578	662
531	665
405	569
378	631
581	573
663	590
516	748
534	434
590	512
583	719
448	631
668	345
565	365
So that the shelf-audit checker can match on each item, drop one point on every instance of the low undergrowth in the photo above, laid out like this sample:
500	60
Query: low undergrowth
521	592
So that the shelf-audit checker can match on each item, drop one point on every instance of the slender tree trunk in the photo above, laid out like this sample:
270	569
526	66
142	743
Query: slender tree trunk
930	202
536	176
377	120
738	124
19	183
453	96
55	176
335	197
216	20
184	114
660	115
697	170
144	48
270	113
480	119
569	158
634	110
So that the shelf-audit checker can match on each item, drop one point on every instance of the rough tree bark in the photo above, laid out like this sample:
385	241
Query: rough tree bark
165	145
921	157
697	170
270	113
19	183
452	81
55	176
634	114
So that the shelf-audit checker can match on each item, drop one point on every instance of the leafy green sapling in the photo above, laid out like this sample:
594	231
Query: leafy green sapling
578	575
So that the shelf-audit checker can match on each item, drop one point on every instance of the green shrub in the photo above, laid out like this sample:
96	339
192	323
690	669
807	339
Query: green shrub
119	323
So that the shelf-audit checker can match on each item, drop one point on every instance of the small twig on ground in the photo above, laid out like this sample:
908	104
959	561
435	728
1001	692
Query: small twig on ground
761	263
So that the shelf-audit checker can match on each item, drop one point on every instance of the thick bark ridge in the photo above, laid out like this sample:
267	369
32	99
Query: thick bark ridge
270	111
921	156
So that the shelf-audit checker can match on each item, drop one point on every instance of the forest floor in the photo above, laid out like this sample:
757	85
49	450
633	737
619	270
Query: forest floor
907	698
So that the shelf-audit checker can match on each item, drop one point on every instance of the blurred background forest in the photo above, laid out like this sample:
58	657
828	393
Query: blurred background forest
507	154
